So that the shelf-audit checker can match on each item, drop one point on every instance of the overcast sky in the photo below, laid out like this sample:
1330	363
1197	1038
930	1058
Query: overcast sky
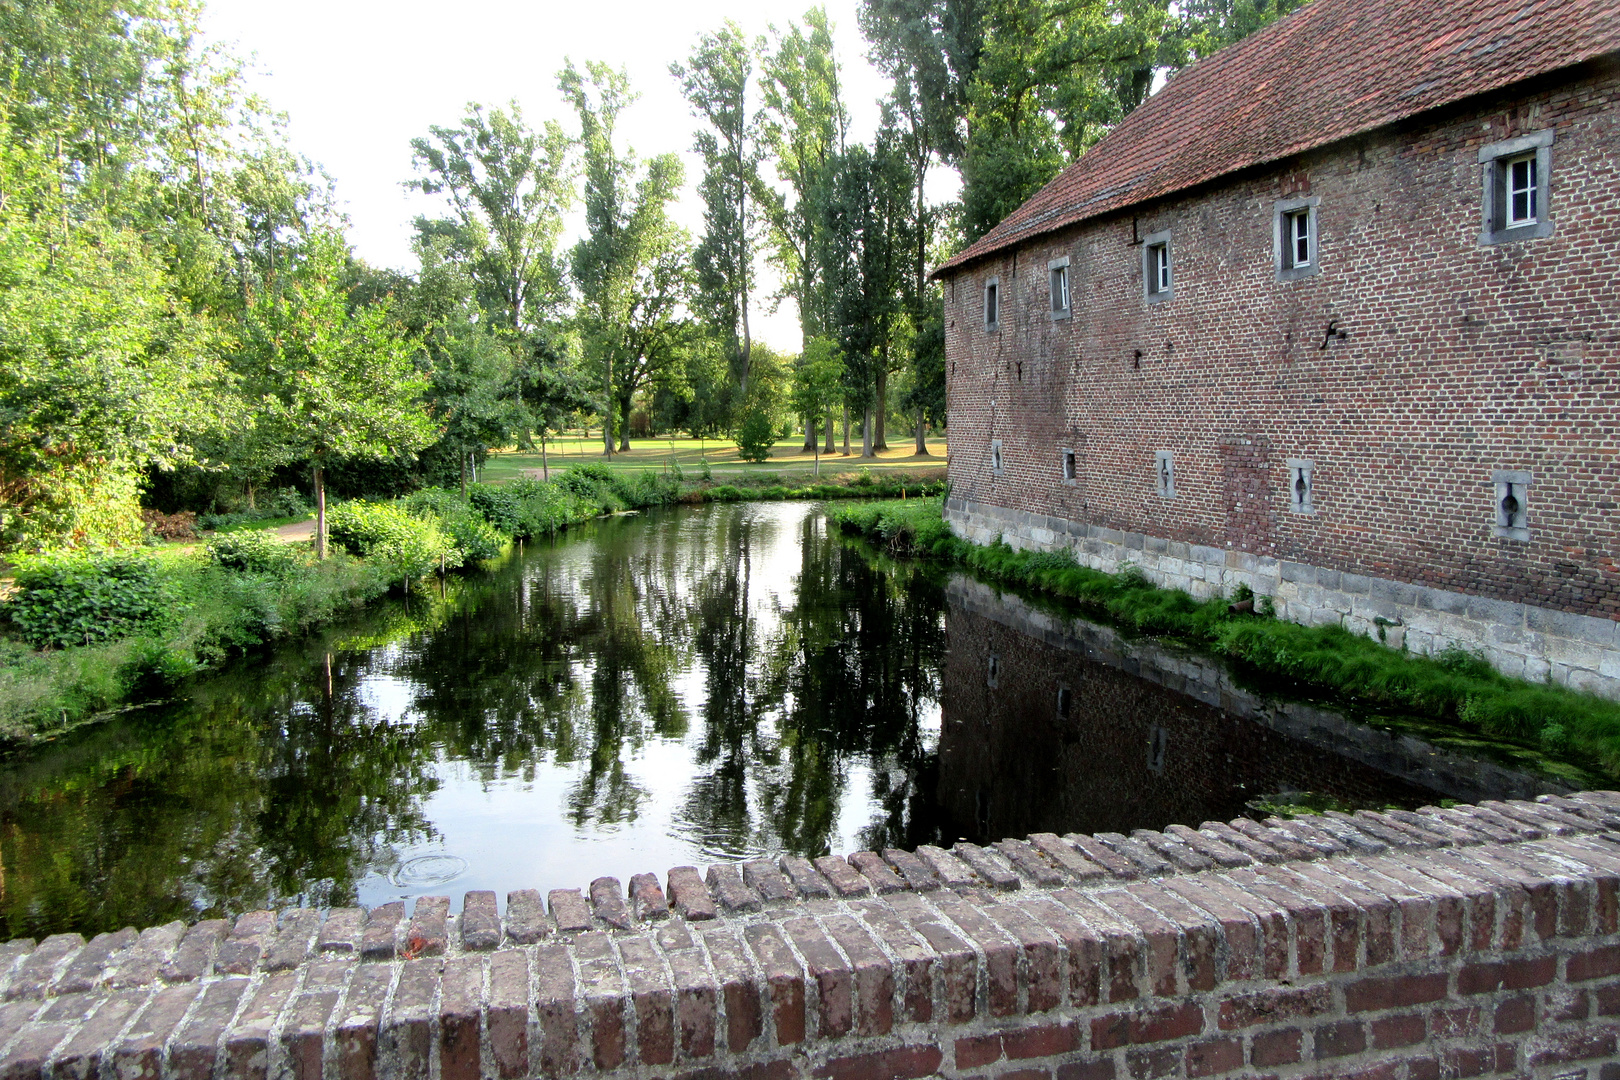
358	79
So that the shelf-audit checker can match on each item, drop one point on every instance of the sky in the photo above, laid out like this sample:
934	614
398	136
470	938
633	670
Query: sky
358	79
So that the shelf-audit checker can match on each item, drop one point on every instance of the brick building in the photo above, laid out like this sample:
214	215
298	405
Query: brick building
1333	314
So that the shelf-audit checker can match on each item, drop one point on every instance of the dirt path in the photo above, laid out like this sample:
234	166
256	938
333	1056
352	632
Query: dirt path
298	530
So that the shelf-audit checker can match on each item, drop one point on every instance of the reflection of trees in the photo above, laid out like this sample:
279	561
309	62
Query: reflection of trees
265	787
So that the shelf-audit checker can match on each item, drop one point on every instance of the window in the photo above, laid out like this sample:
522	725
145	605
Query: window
1156	279
995	456
992	304
1295	238
1164	474
992	675
1058	271
1070	472
1158	748
1064	702
1512	505
1299	486
1514	204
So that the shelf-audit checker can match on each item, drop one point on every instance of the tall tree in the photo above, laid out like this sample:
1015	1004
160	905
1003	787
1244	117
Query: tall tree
328	380
508	186
715	81
632	267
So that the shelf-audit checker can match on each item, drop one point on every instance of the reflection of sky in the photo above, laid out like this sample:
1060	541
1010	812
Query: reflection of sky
516	833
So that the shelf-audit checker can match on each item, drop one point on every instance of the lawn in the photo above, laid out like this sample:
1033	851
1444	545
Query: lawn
786	456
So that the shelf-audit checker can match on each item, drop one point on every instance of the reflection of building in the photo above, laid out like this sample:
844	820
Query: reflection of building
1058	726
1333	315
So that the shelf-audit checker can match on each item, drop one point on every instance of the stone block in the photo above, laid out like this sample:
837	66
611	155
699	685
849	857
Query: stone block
1208	556
1566	624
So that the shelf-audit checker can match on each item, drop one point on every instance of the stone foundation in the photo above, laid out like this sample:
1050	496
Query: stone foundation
1443	942
1521	640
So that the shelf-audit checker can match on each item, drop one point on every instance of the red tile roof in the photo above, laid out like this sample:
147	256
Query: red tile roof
1332	69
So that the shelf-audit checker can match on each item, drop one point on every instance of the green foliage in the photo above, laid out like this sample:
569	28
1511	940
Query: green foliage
255	552
472	532
390	535
1456	685
755	436
75	598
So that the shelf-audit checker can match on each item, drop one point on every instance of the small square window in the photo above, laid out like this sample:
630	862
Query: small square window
1071	472
1058	273
995	456
1514	203
1164	474
1299	486
1157	280
992	304
1512	505
1295	236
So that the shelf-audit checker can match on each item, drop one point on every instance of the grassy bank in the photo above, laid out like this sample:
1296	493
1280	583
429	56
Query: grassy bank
1456	686
86	634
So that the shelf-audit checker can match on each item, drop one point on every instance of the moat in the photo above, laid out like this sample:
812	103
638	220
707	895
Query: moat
679	687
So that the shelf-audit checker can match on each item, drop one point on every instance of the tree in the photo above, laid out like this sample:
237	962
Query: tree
715	82
818	382
550	390
926	397
508	187
633	265
327	380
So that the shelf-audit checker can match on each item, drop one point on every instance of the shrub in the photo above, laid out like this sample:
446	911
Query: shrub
407	545
254	552
78	597
180	526
755	436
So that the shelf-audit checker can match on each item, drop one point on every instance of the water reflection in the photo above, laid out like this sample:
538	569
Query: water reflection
676	687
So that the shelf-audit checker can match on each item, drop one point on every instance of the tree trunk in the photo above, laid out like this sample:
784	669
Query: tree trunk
816	447
922	435
866	434
624	425
846	429
832	446
545	467
878	441
320	512
809	435
252	490
607	418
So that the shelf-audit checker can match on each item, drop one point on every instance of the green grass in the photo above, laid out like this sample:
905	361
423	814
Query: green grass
1456	687
689	454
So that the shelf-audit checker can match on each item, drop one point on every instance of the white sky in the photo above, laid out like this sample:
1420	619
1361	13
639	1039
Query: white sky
359	79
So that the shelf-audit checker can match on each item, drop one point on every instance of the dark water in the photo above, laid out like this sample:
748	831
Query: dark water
677	687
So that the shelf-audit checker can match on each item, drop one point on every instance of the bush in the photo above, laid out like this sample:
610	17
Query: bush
254	552
407	545
178	526
78	597
755	436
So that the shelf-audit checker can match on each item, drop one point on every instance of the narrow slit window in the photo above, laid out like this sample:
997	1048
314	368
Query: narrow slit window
1512	505
1164	474
1299	487
1299	237
1070	473
992	304
1060	288
995	456
992	675
1158	280
1159	262
1065	702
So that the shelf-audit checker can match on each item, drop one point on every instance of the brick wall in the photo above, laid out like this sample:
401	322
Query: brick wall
1456	360
1467	941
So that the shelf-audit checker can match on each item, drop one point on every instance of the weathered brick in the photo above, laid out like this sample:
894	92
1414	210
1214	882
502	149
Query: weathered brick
602	987
191	1052
1276	1048
139	1054
917	874
507	1014
355	1032
835	981
341	932
1124	948
1274	1005
806	880
1521	974
653	998
1216	850
1258	850
953	872
1147	1025
647	900
726	886
461	1000
1084	948
734	974
1000	953
973	1051
768	882
1406	1029
1593	963
406	1035
1180	855
991	870
303	1035
1239	952
900	1063
1214	1056
559	1051
141	964
1394	991
1201	942
874	975
1339	1039
1048	1040
526	921
608	904
697	1007
480	922
958	963
914	961
569	911
1146	859
86	970
39	968
1161	939
382	928
428	932
1029	862
784	982
1515	1014
689	895
844	879
293	939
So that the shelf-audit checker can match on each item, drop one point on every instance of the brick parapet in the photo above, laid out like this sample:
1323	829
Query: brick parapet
1522	640
1455	941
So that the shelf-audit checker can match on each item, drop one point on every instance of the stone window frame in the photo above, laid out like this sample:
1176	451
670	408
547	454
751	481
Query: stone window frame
1298	503
1282	247
992	304
1151	291
1514	482
1069	468
1494	159
1058	270
1164	473
998	465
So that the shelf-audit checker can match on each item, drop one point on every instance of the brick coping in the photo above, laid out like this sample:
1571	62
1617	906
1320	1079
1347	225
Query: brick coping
762	958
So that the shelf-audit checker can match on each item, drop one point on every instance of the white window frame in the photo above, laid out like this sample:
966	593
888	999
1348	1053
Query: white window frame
1285	212
1158	279
1498	225
1057	276
1514	484
992	305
